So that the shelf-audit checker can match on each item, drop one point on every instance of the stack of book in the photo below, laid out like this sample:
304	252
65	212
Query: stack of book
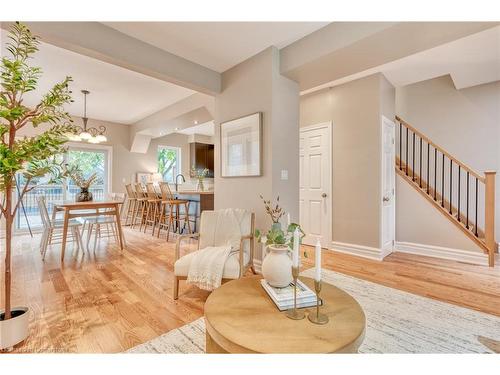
283	297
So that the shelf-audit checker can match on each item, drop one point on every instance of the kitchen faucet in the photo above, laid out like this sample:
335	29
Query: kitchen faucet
177	179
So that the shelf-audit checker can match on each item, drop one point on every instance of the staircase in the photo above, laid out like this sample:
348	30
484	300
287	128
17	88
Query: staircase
464	196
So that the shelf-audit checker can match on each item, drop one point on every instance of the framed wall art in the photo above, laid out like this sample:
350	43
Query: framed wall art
241	146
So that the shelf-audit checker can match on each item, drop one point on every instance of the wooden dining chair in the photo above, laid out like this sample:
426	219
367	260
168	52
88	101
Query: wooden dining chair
53	229
104	225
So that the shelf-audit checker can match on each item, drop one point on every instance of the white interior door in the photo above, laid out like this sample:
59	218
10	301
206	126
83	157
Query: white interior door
388	186
315	202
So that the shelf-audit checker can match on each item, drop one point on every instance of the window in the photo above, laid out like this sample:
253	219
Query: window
90	159
169	162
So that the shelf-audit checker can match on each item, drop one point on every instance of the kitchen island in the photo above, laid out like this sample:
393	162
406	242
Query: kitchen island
199	201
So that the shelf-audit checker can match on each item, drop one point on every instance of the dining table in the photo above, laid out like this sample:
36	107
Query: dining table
72	209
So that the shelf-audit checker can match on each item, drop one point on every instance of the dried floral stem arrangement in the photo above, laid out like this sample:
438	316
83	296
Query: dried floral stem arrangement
276	212
77	176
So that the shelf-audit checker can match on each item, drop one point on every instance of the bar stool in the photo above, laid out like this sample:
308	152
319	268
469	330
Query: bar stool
170	210
152	207
131	203
141	205
194	206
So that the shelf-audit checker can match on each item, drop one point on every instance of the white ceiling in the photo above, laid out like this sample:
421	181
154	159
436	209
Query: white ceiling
116	94
217	45
470	61
206	128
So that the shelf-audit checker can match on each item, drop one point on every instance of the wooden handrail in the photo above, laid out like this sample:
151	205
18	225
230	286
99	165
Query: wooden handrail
488	242
443	151
489	216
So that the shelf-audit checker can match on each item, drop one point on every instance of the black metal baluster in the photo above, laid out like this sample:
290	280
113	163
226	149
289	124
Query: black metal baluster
435	172
420	163
428	182
458	214
475	223
467	204
400	149
451	183
442	184
413	158
406	161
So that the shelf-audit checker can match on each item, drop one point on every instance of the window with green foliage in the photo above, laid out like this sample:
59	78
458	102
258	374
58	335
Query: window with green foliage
169	162
88	160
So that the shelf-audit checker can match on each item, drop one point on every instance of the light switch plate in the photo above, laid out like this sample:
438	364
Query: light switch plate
284	174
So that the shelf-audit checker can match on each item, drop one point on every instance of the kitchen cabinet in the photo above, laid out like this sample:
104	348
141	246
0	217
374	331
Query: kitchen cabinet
202	156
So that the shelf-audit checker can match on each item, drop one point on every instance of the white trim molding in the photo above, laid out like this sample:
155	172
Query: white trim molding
464	256
359	250
257	265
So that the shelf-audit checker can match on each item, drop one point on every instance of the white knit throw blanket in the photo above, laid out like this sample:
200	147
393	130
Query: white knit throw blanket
207	266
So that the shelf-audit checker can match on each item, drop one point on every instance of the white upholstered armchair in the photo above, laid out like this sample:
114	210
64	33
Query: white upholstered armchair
216	230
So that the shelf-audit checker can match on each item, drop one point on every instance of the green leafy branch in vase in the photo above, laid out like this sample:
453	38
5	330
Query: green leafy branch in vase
276	235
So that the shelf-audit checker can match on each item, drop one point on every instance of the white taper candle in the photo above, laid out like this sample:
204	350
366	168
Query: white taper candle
296	247
317	261
288	219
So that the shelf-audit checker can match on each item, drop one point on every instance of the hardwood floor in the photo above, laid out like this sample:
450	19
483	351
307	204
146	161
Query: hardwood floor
110	301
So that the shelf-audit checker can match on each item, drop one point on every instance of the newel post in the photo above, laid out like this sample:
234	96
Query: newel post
489	212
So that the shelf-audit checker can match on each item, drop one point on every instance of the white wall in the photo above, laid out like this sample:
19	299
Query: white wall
464	122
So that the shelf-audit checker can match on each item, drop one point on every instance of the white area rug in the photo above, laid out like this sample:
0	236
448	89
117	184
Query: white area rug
397	322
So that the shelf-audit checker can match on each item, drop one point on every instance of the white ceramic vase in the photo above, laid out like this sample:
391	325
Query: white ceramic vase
14	330
277	266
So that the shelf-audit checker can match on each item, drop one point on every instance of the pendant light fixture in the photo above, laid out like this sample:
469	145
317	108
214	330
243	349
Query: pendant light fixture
91	135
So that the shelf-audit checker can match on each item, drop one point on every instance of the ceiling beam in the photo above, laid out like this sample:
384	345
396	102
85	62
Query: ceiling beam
104	43
336	52
195	109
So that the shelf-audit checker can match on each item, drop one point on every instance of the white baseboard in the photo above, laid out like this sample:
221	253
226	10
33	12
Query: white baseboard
359	250
257	265
444	253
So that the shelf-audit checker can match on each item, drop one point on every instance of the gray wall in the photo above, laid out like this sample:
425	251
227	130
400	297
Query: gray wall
464	122
256	86
355	109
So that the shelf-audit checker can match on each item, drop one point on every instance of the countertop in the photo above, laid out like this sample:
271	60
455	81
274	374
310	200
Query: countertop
194	192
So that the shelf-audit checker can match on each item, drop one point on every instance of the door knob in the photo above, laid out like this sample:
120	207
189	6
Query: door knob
386	199
323	195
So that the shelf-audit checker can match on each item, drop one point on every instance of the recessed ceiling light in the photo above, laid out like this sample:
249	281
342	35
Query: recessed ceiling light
196	122
176	129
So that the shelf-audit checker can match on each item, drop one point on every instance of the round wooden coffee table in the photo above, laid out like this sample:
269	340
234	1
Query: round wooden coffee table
241	318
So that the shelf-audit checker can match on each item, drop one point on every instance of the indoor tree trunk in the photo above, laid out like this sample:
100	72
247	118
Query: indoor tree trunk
8	248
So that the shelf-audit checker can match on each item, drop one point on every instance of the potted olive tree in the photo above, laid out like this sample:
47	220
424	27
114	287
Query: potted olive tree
29	157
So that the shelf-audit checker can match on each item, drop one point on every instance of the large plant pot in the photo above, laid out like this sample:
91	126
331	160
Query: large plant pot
277	266
14	330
